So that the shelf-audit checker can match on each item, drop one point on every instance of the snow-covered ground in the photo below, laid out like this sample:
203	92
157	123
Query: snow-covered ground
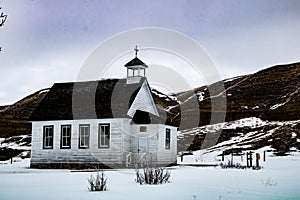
279	179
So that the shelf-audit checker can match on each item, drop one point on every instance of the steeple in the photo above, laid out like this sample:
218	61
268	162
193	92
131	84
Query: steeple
135	68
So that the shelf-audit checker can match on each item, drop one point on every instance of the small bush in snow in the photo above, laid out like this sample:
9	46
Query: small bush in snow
229	164
269	182
99	183
232	165
152	175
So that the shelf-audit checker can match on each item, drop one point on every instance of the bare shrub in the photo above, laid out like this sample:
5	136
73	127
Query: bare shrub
99	183
269	183
152	175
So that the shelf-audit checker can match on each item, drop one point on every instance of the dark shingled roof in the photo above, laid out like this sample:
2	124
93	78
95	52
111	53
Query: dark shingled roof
109	98
135	61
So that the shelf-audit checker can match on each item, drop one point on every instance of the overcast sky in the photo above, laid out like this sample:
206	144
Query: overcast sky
47	41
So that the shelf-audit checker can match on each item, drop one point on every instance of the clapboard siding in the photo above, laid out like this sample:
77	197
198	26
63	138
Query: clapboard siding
74	154
167	155
143	101
124	138
151	136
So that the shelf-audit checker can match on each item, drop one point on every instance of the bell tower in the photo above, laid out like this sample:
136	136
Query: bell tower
136	69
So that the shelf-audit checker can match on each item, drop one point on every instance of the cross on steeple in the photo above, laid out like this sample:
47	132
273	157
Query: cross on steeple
136	69
136	51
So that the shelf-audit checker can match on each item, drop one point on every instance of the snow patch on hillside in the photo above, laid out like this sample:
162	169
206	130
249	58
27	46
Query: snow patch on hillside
232	79
44	91
171	97
247	131
251	122
276	106
20	142
246	122
200	96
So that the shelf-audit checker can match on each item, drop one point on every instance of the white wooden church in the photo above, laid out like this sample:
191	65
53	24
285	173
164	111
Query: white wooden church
108	123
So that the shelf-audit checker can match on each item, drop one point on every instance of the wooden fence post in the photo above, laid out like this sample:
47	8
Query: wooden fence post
181	156
250	158
223	155
247	159
257	159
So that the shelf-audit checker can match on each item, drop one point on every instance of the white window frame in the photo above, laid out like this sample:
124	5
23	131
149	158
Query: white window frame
104	136
168	139
48	137
65	136
84	136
